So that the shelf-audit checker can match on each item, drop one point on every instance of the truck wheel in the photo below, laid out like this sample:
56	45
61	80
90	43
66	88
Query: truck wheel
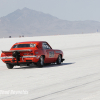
40	63
9	66
59	60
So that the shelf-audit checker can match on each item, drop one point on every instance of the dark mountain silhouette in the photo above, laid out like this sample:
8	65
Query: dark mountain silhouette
34	23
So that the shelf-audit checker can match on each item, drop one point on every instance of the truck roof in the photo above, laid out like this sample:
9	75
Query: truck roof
31	42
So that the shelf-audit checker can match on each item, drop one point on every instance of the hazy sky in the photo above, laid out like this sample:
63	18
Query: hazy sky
72	10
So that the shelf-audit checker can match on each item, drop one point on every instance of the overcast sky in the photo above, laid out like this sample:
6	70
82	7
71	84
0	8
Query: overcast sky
72	10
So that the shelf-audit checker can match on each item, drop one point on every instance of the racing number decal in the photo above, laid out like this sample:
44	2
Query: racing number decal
51	54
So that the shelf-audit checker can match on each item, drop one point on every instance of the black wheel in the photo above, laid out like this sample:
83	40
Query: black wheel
59	59
40	63
9	66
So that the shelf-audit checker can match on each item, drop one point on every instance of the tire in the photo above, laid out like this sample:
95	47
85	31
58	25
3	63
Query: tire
9	66
59	60
40	63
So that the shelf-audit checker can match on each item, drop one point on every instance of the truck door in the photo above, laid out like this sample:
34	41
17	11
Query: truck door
49	53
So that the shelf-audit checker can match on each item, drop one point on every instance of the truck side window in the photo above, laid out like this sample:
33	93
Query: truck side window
45	46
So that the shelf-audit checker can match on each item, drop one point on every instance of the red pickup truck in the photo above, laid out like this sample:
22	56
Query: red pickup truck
37	52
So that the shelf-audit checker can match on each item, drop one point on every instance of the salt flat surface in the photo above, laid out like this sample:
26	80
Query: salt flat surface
77	78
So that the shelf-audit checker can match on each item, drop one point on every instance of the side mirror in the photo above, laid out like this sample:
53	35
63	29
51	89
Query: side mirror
37	46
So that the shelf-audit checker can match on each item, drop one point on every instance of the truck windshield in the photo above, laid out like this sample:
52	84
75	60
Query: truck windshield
23	45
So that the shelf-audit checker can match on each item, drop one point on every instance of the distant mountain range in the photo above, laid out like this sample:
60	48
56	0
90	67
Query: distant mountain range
28	22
